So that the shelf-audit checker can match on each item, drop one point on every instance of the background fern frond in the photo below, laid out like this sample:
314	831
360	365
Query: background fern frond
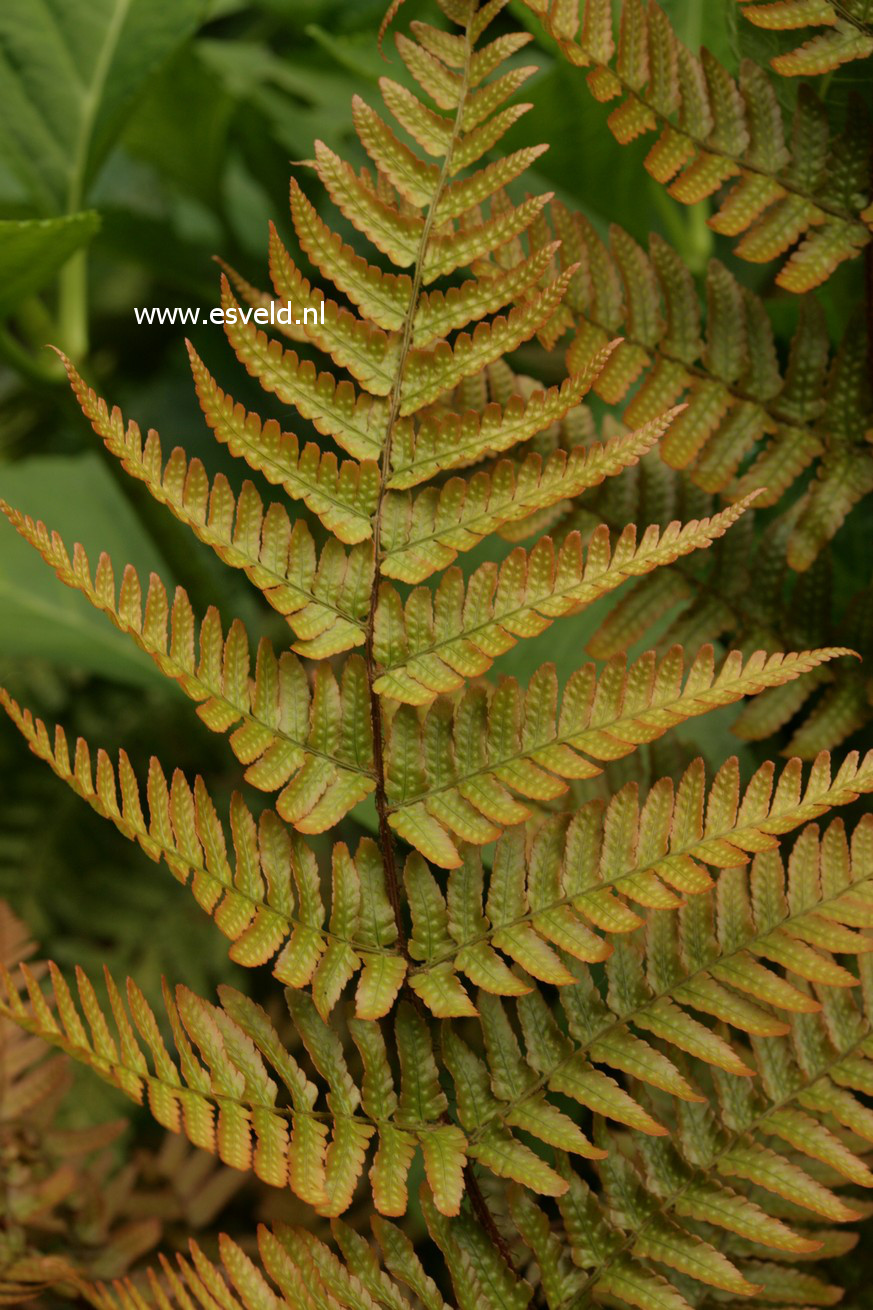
848	33
739	400
713	128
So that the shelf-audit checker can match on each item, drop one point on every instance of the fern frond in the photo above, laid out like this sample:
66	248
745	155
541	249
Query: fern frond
65	1212
659	986
848	33
324	599
451	774
576	884
292	1268
270	903
434	644
446	441
313	744
447	775
738	400
220	1090
706	1200
425	533
271	907
713	129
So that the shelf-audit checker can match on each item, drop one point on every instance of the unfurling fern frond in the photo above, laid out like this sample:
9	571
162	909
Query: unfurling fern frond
505	983
713	129
847	35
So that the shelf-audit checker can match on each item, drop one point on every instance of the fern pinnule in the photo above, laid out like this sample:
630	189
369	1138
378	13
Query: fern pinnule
848	33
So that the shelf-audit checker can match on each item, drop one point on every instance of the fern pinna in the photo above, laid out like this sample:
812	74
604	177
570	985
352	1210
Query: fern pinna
628	1041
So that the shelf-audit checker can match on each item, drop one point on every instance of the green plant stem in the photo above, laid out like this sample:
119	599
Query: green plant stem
33	367
73	306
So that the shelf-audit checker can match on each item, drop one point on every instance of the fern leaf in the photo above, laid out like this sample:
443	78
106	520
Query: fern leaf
448	775
452	440
718	1173
343	496
713	128
848	35
649	856
325	600
737	399
426	533
356	421
269	905
311	745
658	963
221	1092
434	645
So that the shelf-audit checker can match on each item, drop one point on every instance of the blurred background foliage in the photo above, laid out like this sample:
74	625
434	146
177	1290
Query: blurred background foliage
137	142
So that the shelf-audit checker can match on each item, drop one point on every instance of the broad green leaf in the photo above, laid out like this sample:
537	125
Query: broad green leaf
33	250
69	75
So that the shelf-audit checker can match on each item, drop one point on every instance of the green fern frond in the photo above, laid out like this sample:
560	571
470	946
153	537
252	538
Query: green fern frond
271	907
713	129
220	1091
848	35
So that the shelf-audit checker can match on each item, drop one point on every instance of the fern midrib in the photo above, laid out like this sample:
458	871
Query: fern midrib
623	1021
593	588
817	804
783	418
386	835
715	688
701	146
704	1172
